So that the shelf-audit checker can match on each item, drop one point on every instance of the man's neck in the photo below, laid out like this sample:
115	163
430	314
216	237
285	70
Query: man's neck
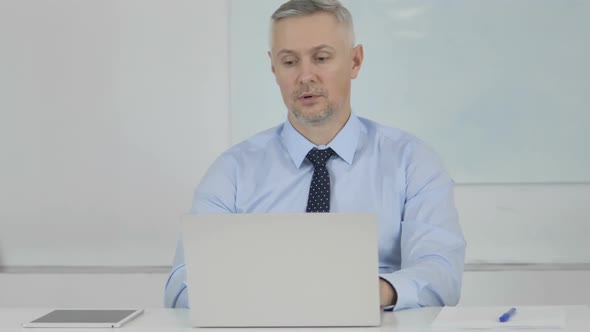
324	133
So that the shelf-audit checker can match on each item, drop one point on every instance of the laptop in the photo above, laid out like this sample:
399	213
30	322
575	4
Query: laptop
282	270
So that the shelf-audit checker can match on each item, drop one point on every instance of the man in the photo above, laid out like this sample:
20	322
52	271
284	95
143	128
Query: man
324	158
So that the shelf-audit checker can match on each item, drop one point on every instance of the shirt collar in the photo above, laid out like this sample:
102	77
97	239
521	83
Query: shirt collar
344	144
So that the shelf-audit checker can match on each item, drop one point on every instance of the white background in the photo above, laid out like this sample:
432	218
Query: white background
111	112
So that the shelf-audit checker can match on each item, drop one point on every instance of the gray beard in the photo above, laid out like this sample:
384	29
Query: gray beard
315	120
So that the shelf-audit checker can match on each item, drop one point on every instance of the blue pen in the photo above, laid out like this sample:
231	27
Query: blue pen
507	315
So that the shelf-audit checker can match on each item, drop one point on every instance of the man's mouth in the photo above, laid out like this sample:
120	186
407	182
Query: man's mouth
309	98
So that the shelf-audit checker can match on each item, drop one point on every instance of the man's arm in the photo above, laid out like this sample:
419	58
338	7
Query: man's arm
175	292
215	194
432	243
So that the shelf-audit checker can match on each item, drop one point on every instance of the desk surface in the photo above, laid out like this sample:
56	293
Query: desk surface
170	320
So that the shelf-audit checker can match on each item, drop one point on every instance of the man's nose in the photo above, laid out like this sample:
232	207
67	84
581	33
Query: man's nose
307	73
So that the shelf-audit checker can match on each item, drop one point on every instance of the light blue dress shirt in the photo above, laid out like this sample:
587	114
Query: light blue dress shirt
377	169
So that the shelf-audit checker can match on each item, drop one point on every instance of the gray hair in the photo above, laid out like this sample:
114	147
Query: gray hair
293	8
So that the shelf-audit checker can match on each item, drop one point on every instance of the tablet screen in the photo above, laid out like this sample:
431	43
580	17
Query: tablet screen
84	316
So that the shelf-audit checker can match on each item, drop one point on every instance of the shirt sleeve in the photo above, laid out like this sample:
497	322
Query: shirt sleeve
175	292
432	243
215	194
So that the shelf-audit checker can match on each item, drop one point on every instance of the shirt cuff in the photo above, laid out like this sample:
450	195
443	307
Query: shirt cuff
175	293
182	298
407	292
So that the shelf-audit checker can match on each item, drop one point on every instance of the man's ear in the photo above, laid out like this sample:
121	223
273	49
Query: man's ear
272	66
357	60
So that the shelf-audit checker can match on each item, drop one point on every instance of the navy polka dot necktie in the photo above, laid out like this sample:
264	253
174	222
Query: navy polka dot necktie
319	190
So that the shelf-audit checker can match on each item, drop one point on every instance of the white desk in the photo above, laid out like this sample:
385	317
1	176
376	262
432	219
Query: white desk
169	320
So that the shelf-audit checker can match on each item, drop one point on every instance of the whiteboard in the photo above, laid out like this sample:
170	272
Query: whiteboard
499	88
111	113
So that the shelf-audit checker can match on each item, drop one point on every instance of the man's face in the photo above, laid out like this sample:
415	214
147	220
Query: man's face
313	61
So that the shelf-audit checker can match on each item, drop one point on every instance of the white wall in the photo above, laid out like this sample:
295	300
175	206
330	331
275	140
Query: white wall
111	112
513	287
133	117
82	290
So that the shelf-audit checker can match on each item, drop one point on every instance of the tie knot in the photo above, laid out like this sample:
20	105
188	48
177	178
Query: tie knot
319	157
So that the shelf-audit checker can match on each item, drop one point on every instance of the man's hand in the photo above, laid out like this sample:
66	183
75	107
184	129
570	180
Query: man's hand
387	293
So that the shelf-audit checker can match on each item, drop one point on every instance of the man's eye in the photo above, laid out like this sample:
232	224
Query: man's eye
322	59
289	62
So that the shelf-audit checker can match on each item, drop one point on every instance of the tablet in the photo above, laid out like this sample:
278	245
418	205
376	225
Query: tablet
85	318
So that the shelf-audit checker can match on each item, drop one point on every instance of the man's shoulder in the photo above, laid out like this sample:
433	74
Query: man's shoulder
401	143
385	134
256	144
416	156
